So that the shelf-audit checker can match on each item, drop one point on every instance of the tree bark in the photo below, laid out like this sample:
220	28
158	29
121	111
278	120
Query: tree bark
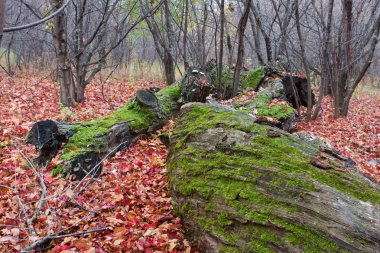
2	17
267	41
243	187
221	45
326	68
304	59
256	38
169	59
185	62
240	57
66	83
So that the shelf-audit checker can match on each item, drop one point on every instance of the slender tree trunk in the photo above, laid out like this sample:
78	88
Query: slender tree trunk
346	58
267	41
79	52
284	24
203	37
185	62
304	60
2	17
326	66
240	57
256	39
169	54
228	43
221	45
66	84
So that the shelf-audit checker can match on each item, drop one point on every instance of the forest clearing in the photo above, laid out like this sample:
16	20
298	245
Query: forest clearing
189	126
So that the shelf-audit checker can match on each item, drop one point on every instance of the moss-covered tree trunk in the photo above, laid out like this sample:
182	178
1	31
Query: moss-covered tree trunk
244	187
88	143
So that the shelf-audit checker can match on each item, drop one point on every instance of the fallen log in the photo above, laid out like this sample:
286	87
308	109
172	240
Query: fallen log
244	187
88	143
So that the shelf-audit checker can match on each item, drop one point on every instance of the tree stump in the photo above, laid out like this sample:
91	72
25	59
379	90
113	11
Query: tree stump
295	85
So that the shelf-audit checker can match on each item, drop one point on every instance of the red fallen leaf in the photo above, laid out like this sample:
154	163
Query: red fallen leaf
139	163
82	244
151	225
148	250
48	179
60	248
173	235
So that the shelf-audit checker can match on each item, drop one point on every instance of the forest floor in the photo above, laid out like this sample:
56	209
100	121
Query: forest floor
131	198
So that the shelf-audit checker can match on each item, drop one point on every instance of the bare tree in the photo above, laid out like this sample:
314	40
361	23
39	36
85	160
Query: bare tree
186	14
352	53
163	38
240	57
65	77
221	45
303	58
268	44
2	15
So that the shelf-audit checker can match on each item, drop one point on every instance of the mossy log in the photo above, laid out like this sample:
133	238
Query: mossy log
244	187
88	143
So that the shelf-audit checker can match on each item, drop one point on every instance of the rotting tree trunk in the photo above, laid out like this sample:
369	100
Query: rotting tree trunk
244	187
88	143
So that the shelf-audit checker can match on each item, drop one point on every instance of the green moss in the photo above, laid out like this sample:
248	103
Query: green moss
173	91
261	103
229	249
210	207
252	78
239	176
278	111
281	155
202	118
85	135
218	226
169	96
55	172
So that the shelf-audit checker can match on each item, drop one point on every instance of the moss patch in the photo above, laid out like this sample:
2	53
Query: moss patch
252	78
86	135
260	184
168	97
264	109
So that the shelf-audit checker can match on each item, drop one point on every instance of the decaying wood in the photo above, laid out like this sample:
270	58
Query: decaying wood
240	190
154	108
83	153
295	86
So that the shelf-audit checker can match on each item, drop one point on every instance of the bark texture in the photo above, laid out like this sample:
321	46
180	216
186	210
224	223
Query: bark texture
2	15
244	187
